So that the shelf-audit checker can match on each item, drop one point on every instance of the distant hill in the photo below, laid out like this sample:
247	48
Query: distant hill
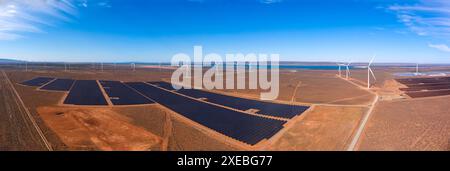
3	61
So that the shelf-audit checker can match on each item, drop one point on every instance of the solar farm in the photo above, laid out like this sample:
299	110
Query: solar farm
426	87
122	108
224	114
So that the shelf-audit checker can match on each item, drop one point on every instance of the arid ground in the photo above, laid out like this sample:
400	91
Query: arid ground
338	110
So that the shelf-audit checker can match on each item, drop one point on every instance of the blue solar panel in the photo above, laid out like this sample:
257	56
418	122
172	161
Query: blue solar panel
120	94
419	94
429	87
162	84
38	81
244	127
59	85
432	80
265	108
85	92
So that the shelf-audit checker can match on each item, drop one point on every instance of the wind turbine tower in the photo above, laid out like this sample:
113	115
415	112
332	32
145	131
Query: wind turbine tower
339	68
370	72
347	71
417	69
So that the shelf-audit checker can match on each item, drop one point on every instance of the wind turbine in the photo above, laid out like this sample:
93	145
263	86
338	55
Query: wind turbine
370	72
347	71
340	65
134	66
417	69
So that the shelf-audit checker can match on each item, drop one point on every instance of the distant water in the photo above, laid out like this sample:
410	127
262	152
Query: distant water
293	67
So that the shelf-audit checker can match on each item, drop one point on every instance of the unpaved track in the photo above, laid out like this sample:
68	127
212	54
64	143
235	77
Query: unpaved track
18	130
362	126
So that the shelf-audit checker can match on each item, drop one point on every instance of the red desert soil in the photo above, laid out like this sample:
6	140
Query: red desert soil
324	128
414	124
96	129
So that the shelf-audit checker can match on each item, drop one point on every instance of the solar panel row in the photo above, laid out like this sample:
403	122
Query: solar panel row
428	93
162	84
85	92
244	127
429	87
59	85
408	81
38	81
120	94
265	108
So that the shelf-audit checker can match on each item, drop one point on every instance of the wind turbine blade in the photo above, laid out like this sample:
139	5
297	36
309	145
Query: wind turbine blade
373	75
371	60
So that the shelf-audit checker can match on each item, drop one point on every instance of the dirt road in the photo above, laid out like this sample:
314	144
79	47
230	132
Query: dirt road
18	130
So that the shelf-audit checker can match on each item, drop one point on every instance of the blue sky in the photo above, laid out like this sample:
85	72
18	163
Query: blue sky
155	30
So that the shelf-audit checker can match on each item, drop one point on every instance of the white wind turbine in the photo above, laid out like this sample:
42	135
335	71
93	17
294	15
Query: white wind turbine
417	69
347	71
370	72
340	65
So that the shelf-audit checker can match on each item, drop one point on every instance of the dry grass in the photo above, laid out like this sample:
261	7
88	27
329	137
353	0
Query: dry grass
415	124
324	128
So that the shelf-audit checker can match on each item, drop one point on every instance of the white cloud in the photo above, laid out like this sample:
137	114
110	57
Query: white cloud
270	1
441	47
9	36
20	16
94	3
104	4
261	1
83	3
427	18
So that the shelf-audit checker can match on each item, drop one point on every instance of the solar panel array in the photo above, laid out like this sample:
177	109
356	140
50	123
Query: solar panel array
85	92
236	124
244	127
426	87
38	81
59	85
265	108
120	94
